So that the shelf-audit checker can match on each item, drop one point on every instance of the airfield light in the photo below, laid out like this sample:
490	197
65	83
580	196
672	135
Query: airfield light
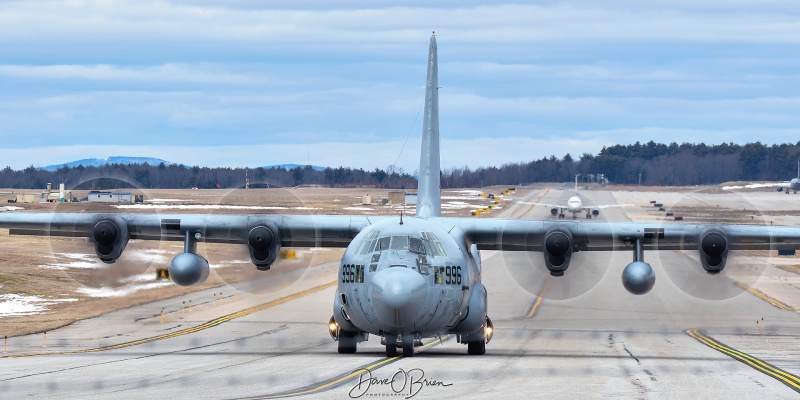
332	327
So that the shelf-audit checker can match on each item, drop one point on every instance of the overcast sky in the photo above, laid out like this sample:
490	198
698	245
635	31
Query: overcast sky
251	83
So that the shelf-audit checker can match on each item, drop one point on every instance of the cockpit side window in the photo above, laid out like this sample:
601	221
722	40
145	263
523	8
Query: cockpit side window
415	245
368	243
366	246
399	243
436	248
383	244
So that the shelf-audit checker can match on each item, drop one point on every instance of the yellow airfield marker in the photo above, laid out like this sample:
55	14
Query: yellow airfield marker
45	339
162	315
190	306
5	341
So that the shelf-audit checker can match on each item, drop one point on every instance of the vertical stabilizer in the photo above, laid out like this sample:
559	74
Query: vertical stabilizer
428	195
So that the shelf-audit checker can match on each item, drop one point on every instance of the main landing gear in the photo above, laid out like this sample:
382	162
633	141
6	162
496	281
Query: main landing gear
347	342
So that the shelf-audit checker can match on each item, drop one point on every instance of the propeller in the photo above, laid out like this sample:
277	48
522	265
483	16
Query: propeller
277	267
107	259
557	272
687	269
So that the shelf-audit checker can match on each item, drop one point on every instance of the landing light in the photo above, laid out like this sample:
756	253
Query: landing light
333	329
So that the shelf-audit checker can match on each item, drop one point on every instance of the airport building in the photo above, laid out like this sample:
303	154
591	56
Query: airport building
110	197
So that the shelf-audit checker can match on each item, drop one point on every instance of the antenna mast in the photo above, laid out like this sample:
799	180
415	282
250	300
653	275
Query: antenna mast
246	179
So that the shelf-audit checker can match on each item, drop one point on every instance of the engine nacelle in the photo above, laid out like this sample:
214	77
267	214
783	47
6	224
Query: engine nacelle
596	212
638	277
110	236
188	269
264	242
713	250
553	211
557	250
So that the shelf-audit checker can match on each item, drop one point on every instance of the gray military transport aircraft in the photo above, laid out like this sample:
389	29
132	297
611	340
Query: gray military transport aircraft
406	278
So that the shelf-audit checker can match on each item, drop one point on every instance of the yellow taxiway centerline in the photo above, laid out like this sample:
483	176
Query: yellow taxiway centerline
790	380
762	296
541	296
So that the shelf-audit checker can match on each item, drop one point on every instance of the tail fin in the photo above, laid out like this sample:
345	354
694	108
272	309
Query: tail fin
429	199
576	185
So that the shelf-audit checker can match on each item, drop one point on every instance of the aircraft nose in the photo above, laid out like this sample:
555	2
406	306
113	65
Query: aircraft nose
399	292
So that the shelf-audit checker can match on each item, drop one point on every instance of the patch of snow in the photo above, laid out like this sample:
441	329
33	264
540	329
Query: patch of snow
359	208
80	261
755	185
466	192
121	291
197	207
11	208
167	200
12	305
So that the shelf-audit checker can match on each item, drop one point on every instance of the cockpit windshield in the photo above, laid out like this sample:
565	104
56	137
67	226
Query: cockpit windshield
428	244
399	243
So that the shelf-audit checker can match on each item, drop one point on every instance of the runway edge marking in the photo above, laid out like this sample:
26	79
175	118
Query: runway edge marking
343	378
790	380
186	331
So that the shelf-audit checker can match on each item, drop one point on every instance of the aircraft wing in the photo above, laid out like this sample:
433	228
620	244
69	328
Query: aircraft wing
524	235
293	230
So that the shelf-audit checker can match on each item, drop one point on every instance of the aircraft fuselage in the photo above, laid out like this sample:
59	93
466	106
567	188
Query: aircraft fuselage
409	280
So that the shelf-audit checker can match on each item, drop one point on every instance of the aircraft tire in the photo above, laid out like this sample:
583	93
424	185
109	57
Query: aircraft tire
391	350
347	343
408	346
476	348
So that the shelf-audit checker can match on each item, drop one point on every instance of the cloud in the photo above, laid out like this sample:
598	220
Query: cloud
93	78
102	21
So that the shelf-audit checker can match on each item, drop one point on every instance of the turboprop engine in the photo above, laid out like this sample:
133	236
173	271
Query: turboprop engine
557	250
264	242
110	238
713	250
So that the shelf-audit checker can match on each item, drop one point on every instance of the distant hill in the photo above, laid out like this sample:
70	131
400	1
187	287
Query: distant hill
99	162
291	166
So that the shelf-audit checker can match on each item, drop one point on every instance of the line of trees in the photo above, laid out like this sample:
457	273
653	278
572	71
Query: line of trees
178	176
653	163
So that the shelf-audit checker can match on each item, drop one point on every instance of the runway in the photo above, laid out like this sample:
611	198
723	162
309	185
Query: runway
579	336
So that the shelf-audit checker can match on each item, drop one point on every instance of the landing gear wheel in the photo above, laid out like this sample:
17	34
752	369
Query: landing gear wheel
347	343
408	346
391	350
476	348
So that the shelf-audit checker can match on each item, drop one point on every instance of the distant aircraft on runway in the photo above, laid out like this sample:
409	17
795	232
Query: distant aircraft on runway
794	184
405	278
575	206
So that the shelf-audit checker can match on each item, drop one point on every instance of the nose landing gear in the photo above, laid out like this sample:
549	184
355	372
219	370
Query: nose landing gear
407	342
